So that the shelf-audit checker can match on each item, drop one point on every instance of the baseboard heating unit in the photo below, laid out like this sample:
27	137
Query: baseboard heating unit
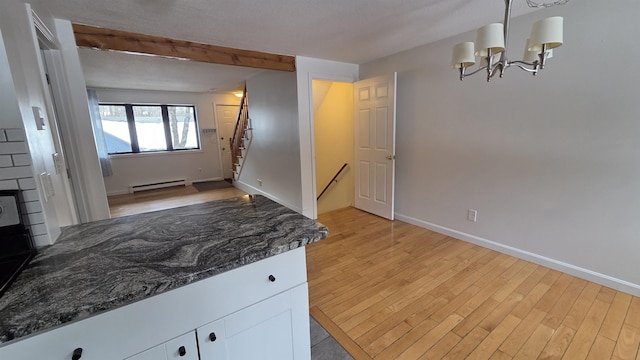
157	185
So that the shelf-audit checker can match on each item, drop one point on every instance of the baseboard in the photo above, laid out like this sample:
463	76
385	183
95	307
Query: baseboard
252	190
586	274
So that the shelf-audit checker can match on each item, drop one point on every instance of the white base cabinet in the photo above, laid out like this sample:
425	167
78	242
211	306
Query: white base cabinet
276	328
256	311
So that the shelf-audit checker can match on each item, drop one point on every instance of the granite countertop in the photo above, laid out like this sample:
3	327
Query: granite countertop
106	264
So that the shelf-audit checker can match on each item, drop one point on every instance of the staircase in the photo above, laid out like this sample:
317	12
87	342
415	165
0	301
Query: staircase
241	138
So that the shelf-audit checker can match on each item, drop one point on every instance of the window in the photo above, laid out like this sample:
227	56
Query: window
132	128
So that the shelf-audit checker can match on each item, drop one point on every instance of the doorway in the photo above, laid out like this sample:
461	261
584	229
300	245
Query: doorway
333	141
226	117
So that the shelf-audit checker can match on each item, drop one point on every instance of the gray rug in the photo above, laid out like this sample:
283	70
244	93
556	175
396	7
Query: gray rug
212	185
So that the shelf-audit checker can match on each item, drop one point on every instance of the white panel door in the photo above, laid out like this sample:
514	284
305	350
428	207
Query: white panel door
375	133
226	116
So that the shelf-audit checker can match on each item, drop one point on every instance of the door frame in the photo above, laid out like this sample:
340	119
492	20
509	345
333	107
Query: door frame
310	168
215	116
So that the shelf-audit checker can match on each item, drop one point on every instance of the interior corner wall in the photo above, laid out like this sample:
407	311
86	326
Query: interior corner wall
333	132
21	47
193	166
272	162
550	162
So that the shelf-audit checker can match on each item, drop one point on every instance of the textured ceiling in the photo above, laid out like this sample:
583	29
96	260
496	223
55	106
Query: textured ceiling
355	31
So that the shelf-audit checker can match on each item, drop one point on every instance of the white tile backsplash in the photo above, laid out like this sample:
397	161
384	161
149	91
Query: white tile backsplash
15	135
16	173
5	161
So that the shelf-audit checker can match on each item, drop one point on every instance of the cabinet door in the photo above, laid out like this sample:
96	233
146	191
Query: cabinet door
274	329
155	353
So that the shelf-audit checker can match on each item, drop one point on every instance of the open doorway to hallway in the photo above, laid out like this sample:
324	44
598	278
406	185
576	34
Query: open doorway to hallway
333	140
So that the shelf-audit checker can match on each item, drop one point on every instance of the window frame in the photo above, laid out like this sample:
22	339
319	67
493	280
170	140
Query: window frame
133	133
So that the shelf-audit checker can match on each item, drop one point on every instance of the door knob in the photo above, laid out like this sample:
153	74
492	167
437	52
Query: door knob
212	337
391	157
182	351
272	278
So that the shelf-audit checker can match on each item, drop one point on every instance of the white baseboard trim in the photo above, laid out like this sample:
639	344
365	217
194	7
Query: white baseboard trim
586	274
252	190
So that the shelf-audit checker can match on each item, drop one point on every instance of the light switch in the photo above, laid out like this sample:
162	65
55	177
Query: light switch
37	114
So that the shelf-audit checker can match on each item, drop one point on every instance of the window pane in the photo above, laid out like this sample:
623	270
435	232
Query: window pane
149	127
182	123
116	128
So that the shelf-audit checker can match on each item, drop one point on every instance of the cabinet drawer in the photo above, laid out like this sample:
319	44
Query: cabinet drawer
268	277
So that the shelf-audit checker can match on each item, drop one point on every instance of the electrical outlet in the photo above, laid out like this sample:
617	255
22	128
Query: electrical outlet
259	182
472	215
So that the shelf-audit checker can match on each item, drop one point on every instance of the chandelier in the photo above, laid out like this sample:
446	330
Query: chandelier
491	41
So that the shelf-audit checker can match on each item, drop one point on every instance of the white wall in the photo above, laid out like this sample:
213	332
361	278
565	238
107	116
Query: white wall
550	163
10	117
273	155
308	69
196	165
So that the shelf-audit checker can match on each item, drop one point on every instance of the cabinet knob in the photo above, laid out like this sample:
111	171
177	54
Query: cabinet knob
182	351
77	354
272	278
212	337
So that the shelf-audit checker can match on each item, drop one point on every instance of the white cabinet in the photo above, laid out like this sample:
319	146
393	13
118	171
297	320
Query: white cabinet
260	309
156	353
273	329
183	347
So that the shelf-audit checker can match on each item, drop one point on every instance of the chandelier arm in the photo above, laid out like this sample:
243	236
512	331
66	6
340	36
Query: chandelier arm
534	70
476	71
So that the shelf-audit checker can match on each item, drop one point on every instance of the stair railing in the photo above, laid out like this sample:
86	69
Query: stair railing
332	181
240	132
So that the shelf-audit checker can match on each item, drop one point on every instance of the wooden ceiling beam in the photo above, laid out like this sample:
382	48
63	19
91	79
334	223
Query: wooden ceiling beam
108	39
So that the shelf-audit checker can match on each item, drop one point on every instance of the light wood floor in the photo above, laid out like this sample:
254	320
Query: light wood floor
152	200
390	290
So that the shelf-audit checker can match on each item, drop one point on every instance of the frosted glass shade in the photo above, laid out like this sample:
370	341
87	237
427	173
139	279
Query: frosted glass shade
532	56
490	37
547	31
462	55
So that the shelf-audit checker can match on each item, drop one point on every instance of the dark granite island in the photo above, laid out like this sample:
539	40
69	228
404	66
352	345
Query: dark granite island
115	288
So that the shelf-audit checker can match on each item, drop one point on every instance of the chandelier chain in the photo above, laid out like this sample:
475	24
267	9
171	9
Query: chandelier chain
534	4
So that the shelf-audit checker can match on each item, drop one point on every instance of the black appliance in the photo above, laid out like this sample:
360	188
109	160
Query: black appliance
16	244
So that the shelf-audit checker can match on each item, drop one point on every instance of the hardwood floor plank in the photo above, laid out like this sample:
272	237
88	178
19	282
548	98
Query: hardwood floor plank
587	332
535	344
495	338
627	344
432	337
521	334
602	348
558	344
616	316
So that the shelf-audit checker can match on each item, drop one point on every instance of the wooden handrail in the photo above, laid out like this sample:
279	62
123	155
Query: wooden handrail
332	180
240	130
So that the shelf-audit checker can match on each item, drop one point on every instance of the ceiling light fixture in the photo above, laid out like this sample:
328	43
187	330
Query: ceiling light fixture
491	40
238	93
